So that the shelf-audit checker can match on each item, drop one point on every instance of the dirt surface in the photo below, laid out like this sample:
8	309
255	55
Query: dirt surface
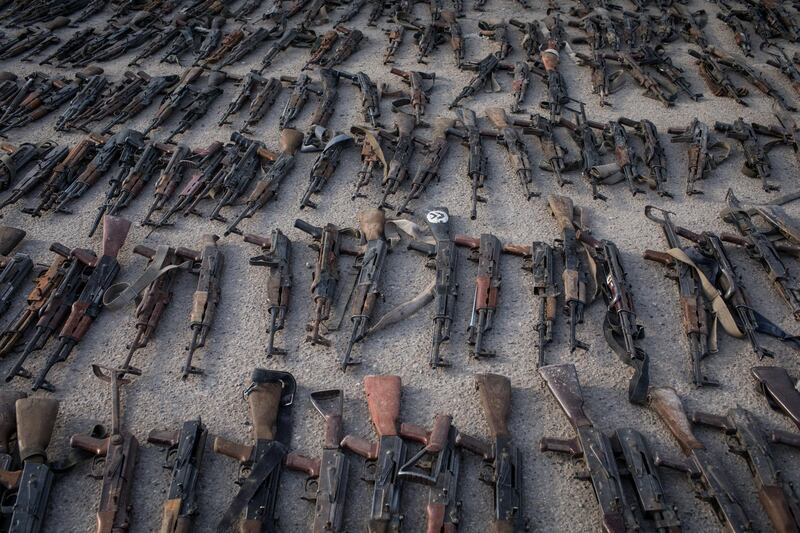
554	499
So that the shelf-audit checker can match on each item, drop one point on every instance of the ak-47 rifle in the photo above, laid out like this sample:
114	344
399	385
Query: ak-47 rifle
155	86
435	152
716	76
471	138
372	156
277	257
438	465
155	285
604	81
443	291
169	180
599	454
344	48
575	276
139	176
262	102
547	68
325	279
497	31
324	167
756	163
705	153
486	252
451	26
690	295
510	138
394	36
367	288
44	285
519	84
621	330
327	487
370	96
653	87
200	104
734	19
115	456
35	420
626	161
319	49
781	61
296	37
760	247
779	389
184	455
14	269
418	95
705	475
502	460
174	100
397	167
329	81
484	73
204	300
128	149
749	439
266	187
384	457
237	177
247	89
270	397
300	85
89	303
16	157
754	77
654	157
582	133
36	176
554	160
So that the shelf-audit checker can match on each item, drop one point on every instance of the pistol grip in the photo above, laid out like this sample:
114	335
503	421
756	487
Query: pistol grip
301	463
98	447
234	450
362	447
552	444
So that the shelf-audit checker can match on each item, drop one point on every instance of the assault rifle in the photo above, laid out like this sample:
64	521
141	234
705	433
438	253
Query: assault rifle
582	133
115	455
554	154
471	138
690	296
322	114
705	475
654	157
55	310
294	37
384	457
418	95
716	76
502	460
270	397
754	77
36	176
397	168
435	152
749	439
622	332
155	86
139	176
169	180
547	68
486	252
484	73
155	284
779	389
91	91
781	61
250	84
89	303
35	420
599	454
277	257
266	187
262	102
345	47
16	158
760	247
519	85
575	276
654	88
44	285
497	31
367	288
704	152
510	138
319	49
371	156
330	472
182	91
452	27
301	85
394	37
734	19
370	96
438	465
324	167
14	269
204	300
325	278
200	104
184	455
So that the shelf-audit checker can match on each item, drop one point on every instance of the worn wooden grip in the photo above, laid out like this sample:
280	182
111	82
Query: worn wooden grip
234	450
666	402
362	447
562	209
383	401
301	463
495	393
89	444
36	418
265	401
371	222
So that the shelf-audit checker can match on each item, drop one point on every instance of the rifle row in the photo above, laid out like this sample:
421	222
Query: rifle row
617	464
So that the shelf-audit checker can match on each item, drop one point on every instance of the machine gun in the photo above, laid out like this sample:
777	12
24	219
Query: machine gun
705	153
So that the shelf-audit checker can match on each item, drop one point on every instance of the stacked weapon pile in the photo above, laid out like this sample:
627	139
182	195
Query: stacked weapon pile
120	87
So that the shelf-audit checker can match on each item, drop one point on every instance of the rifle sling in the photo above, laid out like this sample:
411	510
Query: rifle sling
121	294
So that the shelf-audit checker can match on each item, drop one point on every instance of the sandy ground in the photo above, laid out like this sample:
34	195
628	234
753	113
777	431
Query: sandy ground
554	499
